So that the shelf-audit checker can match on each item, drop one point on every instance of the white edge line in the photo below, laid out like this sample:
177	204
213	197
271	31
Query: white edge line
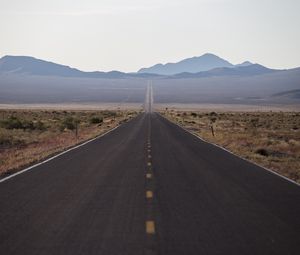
57	155
220	147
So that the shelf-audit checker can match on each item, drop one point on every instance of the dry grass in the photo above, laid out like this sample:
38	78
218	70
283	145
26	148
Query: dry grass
271	139
29	136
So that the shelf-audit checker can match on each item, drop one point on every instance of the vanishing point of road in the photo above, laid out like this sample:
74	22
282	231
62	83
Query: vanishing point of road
149	187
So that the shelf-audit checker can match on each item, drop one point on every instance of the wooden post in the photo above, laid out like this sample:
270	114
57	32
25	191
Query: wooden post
76	129
212	130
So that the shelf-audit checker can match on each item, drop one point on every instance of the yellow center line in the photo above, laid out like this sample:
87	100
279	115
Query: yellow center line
149	194
148	176
150	227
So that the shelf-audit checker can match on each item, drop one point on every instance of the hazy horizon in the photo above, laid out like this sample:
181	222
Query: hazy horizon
129	35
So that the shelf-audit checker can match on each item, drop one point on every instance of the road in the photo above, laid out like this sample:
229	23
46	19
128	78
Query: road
148	104
149	187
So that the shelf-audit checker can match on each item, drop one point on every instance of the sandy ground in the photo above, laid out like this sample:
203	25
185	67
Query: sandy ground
75	106
228	107
158	107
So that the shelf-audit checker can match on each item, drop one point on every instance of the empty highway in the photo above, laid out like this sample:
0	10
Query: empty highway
149	187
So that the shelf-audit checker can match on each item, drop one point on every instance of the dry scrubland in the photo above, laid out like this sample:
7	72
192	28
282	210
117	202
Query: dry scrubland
271	139
28	136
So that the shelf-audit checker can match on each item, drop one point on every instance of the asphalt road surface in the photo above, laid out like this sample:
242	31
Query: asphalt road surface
149	187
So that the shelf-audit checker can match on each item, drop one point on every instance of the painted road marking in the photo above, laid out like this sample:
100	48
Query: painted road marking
149	194
148	176
149	156
149	164
150	227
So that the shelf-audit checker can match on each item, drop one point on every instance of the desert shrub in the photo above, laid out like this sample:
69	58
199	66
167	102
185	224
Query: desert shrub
40	126
262	152
12	123
16	123
9	140
254	122
193	114
109	113
213	119
68	123
28	124
96	120
5	140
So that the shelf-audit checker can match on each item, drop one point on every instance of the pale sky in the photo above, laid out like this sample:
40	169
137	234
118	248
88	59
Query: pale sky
126	35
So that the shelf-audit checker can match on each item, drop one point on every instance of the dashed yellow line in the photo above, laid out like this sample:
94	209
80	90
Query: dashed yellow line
148	176
149	194
150	227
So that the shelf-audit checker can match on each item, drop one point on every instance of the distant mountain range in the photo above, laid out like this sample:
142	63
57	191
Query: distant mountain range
202	64
30	80
191	65
239	70
33	66
208	65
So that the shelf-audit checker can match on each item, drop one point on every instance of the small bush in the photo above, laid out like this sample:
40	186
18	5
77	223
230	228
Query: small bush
68	123
40	126
213	119
5	140
96	120
262	152
28	124
15	123
109	114
12	123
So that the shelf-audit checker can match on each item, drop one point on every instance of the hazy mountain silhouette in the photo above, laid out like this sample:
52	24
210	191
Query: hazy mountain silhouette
246	63
30	80
24	65
191	65
32	66
242	70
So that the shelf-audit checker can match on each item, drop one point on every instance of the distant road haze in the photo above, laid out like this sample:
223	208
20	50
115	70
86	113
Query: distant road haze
148	105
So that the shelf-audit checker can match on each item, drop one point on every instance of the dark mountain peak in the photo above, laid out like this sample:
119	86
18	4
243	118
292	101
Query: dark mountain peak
209	55
247	70
245	63
195	64
33	66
